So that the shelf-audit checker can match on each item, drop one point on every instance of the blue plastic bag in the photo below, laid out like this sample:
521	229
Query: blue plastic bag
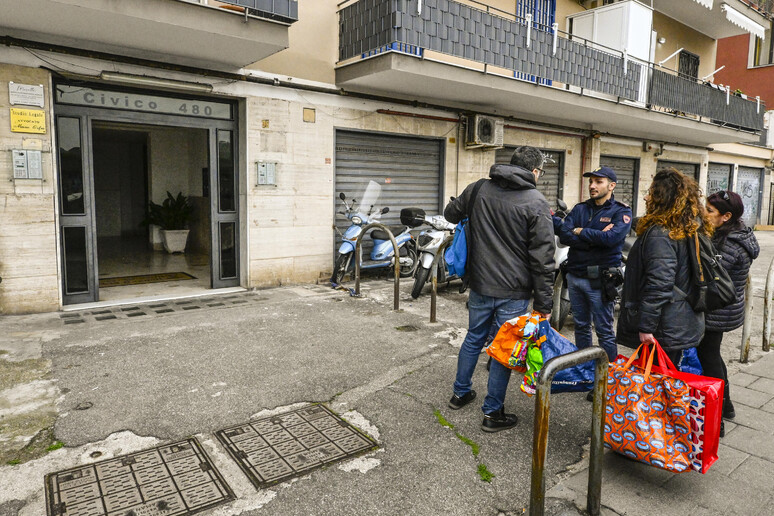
689	362
579	378
457	253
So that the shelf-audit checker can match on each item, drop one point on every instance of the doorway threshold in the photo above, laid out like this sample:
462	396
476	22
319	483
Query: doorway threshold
151	299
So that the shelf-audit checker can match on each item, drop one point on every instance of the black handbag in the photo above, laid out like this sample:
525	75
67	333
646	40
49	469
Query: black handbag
713	287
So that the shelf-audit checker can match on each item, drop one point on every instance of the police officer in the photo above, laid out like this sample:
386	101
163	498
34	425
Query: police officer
595	231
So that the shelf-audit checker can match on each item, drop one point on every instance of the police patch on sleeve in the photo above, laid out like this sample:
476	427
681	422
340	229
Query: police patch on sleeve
627	219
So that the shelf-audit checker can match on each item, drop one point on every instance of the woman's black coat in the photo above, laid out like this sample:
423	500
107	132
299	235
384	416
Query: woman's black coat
658	278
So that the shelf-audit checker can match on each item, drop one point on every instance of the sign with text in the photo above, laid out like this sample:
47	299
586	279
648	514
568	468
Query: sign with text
26	94
80	96
28	121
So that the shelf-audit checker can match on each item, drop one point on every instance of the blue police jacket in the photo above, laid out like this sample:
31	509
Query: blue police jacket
594	246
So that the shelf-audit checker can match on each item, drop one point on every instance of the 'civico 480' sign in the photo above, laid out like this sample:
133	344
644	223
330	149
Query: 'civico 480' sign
80	96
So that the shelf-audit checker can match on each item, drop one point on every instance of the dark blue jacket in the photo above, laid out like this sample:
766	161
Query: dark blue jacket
594	246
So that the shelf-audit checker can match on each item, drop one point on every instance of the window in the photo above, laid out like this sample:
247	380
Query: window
763	49
688	66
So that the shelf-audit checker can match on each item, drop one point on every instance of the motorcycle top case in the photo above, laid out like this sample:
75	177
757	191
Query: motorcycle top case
412	217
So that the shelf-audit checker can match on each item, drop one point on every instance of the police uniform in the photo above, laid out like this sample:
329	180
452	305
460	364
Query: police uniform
594	255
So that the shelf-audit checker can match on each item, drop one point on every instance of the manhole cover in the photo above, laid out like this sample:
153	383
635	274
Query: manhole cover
168	480
273	449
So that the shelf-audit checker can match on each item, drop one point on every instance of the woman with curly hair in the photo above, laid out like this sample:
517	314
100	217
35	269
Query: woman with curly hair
654	303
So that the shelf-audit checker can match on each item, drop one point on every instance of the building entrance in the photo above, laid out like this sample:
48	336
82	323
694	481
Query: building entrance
114	166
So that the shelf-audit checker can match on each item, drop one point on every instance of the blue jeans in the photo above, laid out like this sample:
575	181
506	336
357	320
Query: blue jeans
482	312
587	304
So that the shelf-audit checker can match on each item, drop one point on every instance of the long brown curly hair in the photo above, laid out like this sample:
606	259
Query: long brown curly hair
674	202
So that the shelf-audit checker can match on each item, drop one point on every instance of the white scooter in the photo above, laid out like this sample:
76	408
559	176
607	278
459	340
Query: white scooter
429	241
561	295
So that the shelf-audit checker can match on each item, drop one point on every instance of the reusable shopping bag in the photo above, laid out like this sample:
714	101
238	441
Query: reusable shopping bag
689	362
579	378
647	415
456	255
705	413
512	342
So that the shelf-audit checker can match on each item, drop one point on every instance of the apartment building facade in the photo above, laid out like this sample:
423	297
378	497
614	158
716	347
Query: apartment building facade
262	111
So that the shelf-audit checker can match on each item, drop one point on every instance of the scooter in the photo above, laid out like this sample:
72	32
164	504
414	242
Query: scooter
429	241
382	254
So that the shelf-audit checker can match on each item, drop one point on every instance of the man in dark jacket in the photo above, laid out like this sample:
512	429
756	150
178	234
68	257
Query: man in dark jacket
510	260
595	231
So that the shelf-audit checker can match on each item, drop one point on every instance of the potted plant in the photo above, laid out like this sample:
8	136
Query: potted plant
172	217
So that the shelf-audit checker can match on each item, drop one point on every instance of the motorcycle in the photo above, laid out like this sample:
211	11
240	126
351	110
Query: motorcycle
382	254
429	240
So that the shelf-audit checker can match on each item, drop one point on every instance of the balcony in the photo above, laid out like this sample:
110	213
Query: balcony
487	60
224	35
719	18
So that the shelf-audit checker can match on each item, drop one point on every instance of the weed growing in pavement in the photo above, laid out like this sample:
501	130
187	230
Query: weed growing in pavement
484	473
55	446
475	448
442	419
14	462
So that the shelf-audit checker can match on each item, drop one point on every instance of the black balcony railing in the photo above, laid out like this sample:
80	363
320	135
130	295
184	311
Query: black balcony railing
280	10
688	96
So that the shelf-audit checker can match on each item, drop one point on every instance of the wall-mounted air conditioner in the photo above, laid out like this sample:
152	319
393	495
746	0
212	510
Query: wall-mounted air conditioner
484	131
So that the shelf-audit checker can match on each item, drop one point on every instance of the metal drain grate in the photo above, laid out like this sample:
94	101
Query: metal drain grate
276	448
168	480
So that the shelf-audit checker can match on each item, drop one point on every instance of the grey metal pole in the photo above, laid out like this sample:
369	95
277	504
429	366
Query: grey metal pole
768	307
434	269
540	432
744	355
396	251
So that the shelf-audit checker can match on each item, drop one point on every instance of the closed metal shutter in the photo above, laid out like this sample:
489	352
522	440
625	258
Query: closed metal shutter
689	169
748	186
551	184
407	168
626	170
718	177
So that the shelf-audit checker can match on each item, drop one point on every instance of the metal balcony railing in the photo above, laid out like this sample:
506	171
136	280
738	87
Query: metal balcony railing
280	10
534	52
765	7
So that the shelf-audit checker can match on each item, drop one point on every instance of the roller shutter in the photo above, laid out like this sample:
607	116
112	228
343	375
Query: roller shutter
551	184
689	169
718	177
748	186
626	170
407	168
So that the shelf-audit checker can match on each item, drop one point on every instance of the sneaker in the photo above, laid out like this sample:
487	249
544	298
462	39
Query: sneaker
728	411
457	402
496	421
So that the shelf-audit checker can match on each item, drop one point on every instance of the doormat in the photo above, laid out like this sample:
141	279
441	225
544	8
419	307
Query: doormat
168	480
121	281
276	448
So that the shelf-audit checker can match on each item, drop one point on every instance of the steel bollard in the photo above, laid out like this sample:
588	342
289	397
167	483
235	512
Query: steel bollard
768	306
434	268
359	252
744	354
540	440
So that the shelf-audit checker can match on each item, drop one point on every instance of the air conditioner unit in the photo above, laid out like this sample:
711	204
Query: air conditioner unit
484	131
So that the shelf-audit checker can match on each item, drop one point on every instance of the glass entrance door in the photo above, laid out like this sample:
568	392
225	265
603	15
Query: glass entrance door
224	208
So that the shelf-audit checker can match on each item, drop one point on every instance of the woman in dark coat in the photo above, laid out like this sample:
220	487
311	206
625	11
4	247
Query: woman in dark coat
738	247
658	271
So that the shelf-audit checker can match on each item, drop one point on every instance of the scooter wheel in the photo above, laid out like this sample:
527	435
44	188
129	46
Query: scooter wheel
340	267
419	281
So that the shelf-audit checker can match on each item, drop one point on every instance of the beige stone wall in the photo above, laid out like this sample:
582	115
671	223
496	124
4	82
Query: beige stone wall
679	36
28	248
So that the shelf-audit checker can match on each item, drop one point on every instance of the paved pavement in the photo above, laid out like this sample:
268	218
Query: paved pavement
116	385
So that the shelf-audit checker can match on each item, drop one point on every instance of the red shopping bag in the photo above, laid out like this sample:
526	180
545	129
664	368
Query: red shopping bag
647	415
706	409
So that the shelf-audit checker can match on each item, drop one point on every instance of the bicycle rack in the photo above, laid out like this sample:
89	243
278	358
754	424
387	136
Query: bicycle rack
434	268
396	266
537	498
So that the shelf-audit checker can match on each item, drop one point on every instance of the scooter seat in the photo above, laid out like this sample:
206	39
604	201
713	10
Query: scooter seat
378	234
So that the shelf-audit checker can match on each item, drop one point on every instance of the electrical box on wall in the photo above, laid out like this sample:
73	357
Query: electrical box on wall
267	173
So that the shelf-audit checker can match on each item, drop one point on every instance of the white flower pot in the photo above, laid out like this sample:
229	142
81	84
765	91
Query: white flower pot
156	240
174	240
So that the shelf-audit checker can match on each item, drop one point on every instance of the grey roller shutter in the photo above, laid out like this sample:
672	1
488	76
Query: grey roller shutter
748	186
626	170
689	169
407	168
550	185
718	177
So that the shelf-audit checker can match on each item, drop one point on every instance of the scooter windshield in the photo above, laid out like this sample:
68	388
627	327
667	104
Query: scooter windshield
370	197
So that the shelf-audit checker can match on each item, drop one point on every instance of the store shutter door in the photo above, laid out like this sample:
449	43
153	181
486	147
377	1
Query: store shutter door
407	168
718	177
626	172
689	169
748	186
550	185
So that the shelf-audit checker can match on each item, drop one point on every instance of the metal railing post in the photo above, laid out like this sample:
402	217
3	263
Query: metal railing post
434	271
540	438
396	265
744	354
768	306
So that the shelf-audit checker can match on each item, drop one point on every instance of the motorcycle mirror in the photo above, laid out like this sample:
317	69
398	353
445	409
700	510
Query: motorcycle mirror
342	196
385	210
562	205
452	198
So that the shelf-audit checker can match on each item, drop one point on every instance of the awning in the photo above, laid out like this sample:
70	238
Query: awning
705	3
740	20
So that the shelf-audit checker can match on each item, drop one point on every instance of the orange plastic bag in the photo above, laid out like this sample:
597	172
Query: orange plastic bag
512	342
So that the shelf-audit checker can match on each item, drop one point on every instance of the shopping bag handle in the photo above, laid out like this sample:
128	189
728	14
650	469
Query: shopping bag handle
649	365
663	359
